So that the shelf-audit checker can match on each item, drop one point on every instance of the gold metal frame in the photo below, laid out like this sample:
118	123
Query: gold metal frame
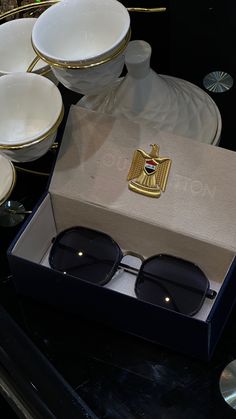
147	9
12	185
27	8
33	172
37	140
43	72
32	6
79	64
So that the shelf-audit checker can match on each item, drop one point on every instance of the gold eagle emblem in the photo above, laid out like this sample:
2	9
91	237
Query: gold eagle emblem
149	171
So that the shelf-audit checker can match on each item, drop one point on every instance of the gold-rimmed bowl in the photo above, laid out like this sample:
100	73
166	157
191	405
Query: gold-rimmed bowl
84	42
16	50
31	112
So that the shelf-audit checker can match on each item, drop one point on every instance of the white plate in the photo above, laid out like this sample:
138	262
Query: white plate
7	179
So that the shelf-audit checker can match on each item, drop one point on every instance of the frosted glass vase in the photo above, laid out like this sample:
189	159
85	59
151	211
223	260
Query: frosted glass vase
171	104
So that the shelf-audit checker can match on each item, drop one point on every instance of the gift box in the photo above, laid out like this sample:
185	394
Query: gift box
193	219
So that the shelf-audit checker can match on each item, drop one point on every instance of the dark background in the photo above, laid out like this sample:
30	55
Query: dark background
120	376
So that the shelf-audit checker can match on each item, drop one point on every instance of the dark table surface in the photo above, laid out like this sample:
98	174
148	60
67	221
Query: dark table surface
119	376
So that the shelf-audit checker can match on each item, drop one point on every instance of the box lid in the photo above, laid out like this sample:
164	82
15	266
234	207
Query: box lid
200	197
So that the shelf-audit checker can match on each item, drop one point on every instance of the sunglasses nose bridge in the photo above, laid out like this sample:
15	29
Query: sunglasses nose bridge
131	253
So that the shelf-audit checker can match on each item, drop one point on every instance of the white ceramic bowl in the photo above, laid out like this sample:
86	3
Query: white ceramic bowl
7	178
31	111
84	42
16	50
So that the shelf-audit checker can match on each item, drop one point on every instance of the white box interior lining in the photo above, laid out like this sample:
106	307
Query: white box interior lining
35	243
36	237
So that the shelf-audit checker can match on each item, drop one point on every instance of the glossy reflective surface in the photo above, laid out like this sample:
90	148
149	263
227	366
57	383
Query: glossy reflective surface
218	82
121	376
11	213
172	283
163	280
228	384
86	254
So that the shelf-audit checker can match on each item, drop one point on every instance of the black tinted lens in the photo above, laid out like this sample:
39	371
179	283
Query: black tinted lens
172	283
86	254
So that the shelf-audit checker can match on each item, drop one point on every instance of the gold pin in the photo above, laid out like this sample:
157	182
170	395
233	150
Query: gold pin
149	171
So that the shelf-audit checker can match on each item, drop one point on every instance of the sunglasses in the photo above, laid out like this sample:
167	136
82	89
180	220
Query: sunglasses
163	280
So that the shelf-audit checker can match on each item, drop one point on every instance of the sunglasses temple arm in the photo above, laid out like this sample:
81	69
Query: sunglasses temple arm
211	294
125	267
92	262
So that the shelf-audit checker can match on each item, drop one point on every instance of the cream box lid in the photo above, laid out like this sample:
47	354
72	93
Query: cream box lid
200	197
